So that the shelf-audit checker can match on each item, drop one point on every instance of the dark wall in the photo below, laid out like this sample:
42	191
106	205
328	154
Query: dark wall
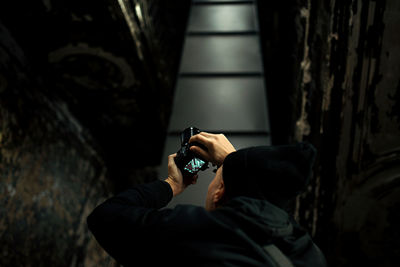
282	40
334	69
85	93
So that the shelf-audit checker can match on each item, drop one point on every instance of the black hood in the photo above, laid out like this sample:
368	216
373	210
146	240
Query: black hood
273	173
259	223
258	219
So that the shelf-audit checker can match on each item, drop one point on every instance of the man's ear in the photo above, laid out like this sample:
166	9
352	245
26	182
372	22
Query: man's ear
220	192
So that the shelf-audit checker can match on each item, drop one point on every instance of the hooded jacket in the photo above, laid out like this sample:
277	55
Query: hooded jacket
134	230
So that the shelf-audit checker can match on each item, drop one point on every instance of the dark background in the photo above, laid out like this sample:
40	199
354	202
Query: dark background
85	102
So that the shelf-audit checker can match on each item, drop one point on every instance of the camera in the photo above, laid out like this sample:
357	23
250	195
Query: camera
188	162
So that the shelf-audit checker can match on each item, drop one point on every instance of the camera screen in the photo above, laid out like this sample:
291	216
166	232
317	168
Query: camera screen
194	165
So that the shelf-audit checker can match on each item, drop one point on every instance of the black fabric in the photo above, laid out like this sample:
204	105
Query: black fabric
132	228
273	173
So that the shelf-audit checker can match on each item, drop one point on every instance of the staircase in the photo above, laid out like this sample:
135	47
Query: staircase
220	86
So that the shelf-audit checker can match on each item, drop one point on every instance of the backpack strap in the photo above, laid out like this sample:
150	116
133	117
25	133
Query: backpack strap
277	256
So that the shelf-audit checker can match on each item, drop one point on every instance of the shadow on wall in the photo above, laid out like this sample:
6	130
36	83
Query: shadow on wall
83	113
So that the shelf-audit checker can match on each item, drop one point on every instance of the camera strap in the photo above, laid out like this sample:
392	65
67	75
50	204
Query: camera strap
280	259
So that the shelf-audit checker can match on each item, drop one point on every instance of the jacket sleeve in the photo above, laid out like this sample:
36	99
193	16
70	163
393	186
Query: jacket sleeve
126	223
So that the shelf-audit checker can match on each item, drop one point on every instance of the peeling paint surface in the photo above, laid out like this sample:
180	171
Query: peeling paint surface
344	99
356	185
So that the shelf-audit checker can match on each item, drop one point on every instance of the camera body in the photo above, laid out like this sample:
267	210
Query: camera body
188	162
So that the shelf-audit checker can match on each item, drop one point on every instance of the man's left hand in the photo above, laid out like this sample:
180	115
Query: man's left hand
175	177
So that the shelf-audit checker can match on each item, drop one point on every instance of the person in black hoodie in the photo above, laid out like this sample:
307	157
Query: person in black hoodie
243	223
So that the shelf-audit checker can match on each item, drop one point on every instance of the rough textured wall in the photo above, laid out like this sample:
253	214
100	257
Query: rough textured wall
84	100
346	95
113	63
341	62
51	175
367	162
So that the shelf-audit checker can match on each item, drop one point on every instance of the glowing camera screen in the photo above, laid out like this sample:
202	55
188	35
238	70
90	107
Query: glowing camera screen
194	165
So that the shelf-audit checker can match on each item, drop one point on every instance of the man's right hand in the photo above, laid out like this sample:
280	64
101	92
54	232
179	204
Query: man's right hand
218	147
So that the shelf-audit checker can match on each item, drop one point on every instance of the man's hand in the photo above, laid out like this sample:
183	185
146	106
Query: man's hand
175	177
218	147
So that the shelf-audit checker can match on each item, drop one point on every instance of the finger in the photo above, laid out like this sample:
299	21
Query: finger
200	139
205	134
200	152
195	138
171	160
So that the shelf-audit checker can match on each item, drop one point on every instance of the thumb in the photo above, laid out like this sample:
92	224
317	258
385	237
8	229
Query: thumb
171	160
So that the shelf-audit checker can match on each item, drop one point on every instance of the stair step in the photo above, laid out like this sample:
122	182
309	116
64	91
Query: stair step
232	104
222	18
221	54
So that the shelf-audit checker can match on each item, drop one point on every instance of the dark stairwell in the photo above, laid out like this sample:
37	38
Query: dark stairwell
90	92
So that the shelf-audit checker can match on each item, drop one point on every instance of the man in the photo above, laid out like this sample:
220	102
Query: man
243	222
